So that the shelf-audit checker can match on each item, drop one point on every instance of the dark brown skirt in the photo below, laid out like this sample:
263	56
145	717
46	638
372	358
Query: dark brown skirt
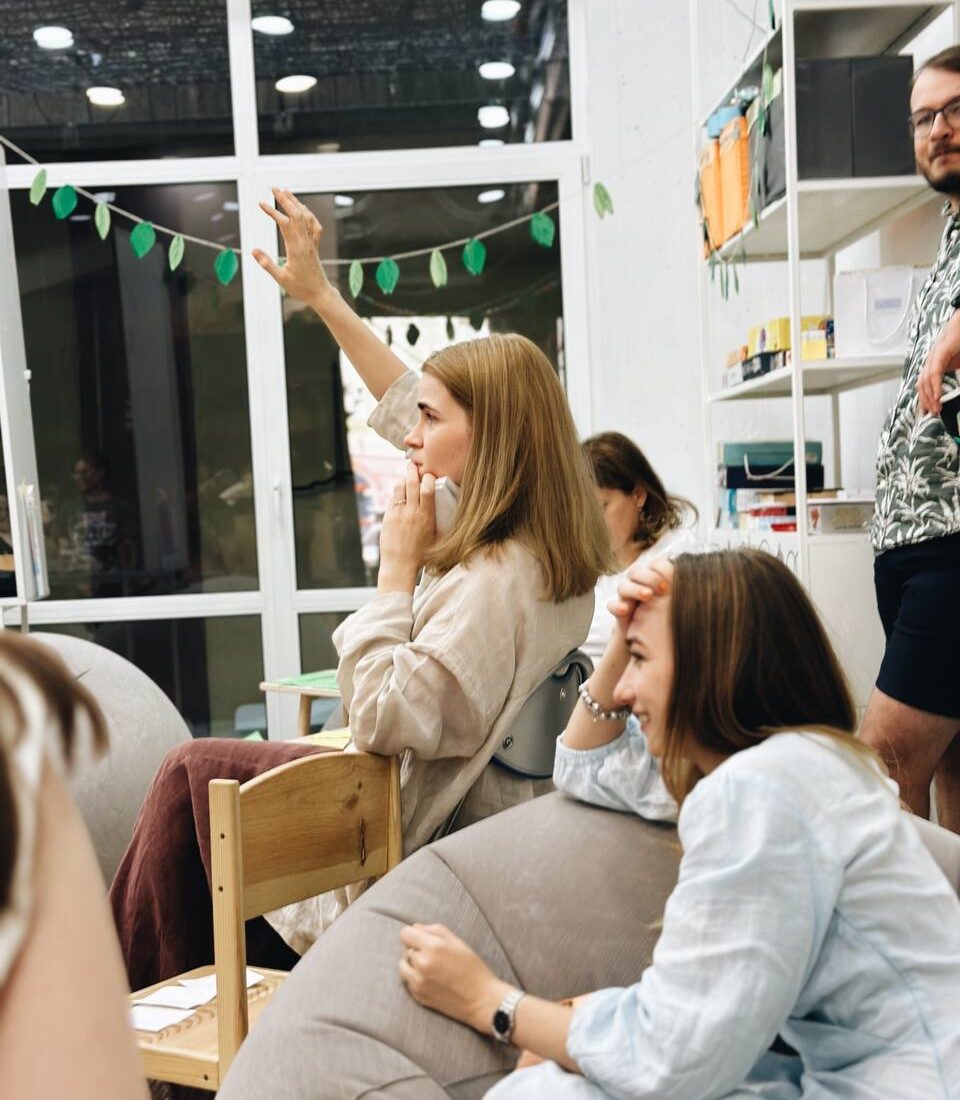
161	893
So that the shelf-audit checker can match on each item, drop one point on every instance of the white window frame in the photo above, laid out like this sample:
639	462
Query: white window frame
278	602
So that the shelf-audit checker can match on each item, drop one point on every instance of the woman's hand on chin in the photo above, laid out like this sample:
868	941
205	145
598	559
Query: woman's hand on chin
302	275
441	972
409	527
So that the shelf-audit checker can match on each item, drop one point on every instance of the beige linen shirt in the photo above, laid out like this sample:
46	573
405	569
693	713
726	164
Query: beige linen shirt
438	677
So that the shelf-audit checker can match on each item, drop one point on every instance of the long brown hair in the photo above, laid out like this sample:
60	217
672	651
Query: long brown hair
24	662
618	463
751	659
526	477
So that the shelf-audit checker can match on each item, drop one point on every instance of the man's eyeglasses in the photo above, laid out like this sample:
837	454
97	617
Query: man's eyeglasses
921	122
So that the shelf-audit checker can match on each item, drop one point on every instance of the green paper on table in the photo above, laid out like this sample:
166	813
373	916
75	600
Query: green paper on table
325	679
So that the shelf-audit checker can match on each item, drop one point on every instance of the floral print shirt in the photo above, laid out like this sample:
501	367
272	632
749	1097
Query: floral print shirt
918	463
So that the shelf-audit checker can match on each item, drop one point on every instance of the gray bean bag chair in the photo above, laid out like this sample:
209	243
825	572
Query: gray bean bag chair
143	725
559	897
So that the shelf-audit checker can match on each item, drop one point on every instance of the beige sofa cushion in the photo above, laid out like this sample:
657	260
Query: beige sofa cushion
559	897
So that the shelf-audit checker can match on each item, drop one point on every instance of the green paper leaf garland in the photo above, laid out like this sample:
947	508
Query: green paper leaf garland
142	239
226	265
175	252
39	187
602	202
474	256
476	321
413	334
387	275
543	229
101	219
767	84
773	15
438	268
389	336
64	201
356	278
450	330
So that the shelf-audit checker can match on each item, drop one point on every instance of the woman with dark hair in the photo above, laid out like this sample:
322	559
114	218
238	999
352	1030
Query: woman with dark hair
643	520
807	907
64	1016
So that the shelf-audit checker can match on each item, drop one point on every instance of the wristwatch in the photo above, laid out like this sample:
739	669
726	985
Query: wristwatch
503	1018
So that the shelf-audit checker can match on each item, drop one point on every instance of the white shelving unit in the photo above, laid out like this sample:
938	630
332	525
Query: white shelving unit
812	221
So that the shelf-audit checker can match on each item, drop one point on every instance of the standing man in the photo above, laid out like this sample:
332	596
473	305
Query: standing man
913	718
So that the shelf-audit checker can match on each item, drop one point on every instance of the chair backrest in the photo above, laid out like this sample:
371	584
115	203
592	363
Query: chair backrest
944	846
308	826
528	748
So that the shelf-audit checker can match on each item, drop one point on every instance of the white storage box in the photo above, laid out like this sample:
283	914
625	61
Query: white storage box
872	310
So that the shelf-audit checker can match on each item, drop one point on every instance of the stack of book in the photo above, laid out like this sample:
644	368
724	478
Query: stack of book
767	465
829	511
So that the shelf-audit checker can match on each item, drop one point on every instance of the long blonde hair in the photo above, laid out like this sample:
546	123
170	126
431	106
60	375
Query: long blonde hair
526	477
751	659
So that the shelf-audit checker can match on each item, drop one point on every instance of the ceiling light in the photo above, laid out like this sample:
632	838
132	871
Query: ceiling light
343	200
536	95
53	38
490	143
217	217
496	11
230	206
104	196
497	70
272	24
495	195
492	116
105	97
80	217
295	84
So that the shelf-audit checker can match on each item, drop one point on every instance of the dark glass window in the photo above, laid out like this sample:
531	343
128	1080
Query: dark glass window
139	396
406	76
210	668
343	473
161	67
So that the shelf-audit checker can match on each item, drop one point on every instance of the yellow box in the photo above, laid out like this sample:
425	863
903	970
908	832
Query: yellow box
775	336
711	203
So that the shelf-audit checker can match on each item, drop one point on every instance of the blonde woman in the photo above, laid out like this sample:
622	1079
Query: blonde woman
434	670
64	1018
807	907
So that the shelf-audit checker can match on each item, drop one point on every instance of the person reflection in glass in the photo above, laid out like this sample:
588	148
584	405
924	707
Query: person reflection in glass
99	532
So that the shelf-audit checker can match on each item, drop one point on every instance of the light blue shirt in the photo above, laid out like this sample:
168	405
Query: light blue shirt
806	906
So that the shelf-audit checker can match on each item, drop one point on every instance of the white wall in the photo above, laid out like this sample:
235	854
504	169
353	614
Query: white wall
644	310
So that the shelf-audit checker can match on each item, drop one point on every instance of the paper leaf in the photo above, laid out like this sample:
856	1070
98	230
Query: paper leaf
175	252
438	268
413	334
356	278
39	187
64	201
773	15
450	330
226	265
387	275
101	219
736	279
282	262
476	321
602	202
474	256
142	239
389	336
542	229
767	84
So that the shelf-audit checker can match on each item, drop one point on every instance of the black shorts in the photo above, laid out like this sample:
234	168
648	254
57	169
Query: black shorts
918	597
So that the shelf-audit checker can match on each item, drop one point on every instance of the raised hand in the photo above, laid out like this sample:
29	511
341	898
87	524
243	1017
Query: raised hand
302	276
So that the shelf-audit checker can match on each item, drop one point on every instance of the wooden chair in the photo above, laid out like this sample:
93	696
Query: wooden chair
309	826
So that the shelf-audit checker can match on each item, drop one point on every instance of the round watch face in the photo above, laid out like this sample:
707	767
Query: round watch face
501	1022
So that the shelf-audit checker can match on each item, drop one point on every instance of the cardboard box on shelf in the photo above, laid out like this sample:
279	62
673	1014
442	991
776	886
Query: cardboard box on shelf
774	335
734	176
839	515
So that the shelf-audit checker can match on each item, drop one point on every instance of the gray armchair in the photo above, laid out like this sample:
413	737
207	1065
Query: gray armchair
559	897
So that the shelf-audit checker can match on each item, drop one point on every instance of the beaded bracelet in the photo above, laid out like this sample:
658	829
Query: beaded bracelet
596	711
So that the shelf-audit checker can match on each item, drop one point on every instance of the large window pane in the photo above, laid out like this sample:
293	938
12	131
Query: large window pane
139	397
407	76
343	472
163	63
210	668
317	652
